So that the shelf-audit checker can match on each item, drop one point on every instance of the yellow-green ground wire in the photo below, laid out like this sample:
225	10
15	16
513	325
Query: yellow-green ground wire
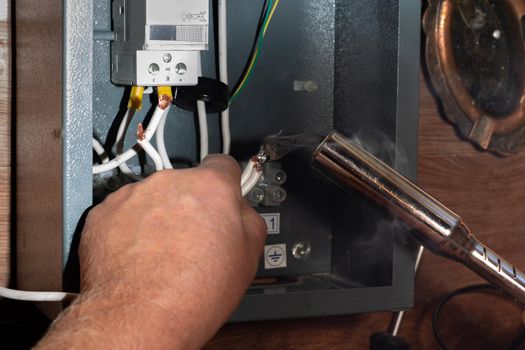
269	13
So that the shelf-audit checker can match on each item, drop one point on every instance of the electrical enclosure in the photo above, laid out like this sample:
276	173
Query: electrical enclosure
326	64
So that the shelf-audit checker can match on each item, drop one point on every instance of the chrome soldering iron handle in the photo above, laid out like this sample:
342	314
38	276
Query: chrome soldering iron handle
497	271
437	228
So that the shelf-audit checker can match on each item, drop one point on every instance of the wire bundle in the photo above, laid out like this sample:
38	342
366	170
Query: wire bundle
268	12
143	137
251	174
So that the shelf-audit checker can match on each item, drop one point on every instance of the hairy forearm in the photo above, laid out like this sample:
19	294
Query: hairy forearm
163	264
116	321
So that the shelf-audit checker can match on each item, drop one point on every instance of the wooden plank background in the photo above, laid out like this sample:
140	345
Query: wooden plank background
5	143
487	191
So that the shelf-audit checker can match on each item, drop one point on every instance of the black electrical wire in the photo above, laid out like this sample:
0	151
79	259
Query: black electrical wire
265	9
461	291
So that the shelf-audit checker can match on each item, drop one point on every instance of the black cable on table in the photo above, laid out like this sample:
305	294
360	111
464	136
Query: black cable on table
461	291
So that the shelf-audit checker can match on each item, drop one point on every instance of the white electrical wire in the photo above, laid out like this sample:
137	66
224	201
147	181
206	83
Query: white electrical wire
99	149
152	153
130	153
226	134
252	172
35	296
251	182
203	120
203	129
248	170
161	145
119	144
223	73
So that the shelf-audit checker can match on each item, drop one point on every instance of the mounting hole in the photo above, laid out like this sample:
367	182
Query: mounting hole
167	57
153	68
180	68
121	10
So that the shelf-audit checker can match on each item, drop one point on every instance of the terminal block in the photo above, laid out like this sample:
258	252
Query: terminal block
158	42
269	192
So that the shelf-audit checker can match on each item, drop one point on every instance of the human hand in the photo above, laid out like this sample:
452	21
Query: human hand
175	251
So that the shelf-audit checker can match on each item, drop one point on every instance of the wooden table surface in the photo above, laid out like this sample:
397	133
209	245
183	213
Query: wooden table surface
487	191
5	146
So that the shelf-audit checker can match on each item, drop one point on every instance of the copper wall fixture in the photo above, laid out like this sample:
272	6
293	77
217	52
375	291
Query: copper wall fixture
475	53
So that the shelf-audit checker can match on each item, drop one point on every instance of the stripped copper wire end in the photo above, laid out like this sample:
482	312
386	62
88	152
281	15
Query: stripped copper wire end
141	134
164	101
259	159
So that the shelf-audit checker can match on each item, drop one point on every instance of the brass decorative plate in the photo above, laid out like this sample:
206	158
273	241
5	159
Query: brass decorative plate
475	53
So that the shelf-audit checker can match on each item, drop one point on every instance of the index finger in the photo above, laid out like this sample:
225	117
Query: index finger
226	167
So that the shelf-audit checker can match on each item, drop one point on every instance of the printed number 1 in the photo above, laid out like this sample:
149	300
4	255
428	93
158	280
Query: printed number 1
272	223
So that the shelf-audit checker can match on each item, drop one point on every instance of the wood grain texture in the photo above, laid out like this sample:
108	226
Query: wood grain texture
489	193
37	94
5	149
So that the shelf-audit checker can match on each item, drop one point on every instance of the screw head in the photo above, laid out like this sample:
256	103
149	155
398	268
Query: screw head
301	250
280	177
180	68
167	58
153	68
257	195
279	194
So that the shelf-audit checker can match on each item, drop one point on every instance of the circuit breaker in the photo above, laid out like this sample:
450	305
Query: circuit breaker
347	65
158	42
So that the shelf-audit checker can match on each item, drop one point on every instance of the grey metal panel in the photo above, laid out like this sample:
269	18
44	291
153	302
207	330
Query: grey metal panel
107	98
408	87
396	112
299	46
132	25
406	133
77	115
318	303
